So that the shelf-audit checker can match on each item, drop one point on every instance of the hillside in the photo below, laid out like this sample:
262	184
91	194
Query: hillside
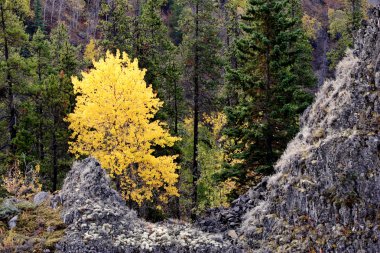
189	126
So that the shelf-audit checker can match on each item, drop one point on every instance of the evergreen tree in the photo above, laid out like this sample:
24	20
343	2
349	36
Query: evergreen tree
115	26
234	10
59	100
42	134
155	46
200	50
13	70
273	68
38	19
29	140
157	54
357	11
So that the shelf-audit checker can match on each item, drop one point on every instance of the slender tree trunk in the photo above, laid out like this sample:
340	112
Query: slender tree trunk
269	130
55	153
175	108
195	171
52	12
45	6
60	10
41	153
8	79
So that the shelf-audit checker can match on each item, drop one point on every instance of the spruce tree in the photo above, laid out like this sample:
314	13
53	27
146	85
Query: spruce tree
273	69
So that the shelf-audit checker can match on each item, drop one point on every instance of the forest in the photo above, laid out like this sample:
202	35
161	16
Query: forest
185	104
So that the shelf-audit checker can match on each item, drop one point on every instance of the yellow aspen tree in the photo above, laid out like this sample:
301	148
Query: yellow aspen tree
113	121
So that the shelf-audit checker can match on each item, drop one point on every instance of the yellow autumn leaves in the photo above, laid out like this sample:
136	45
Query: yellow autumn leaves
113	122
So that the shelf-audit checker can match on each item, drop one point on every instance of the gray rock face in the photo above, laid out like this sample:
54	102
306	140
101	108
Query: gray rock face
99	221
325	196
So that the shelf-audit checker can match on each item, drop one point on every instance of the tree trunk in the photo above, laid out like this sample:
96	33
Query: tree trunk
55	154
195	171
52	12
269	130
41	153
60	10
175	108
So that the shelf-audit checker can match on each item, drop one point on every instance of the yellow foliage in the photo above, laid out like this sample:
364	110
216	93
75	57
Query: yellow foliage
113	122
20	185
211	158
311	26
217	120
91	52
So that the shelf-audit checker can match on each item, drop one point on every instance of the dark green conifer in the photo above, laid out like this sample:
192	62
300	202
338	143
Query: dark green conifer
273	71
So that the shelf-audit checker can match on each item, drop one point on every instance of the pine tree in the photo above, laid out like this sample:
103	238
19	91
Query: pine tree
30	136
357	11
59	99
234	10
13	37
200	49
115	26
38	19
272	72
42	135
157	54
156	47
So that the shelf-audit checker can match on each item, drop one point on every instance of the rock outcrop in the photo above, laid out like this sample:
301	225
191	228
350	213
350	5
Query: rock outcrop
99	221
324	197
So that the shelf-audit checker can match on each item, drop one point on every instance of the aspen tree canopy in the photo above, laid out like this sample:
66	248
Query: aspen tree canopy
113	121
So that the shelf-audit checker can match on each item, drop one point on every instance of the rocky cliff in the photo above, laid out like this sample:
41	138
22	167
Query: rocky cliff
324	197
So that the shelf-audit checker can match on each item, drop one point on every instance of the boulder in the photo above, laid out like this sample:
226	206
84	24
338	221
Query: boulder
8	209
40	197
13	222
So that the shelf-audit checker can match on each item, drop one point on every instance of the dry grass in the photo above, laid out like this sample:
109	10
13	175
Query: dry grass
38	228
